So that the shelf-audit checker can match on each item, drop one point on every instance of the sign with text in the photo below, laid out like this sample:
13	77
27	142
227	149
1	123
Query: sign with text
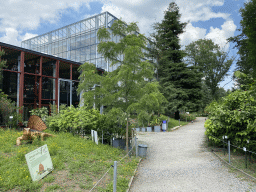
39	163
94	136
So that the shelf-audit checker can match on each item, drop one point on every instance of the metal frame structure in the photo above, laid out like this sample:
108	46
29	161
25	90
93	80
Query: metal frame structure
78	41
32	79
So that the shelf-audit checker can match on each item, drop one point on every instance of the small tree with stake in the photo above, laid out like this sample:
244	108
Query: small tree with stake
124	87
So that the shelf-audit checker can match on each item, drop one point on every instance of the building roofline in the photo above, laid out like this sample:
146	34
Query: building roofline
41	54
70	25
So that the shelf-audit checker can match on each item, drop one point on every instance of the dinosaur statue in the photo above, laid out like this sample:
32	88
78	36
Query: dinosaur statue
29	135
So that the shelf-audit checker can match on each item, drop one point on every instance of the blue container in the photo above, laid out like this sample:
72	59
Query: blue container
164	126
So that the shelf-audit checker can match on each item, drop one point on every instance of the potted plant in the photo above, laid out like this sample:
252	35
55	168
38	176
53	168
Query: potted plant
149	128
156	122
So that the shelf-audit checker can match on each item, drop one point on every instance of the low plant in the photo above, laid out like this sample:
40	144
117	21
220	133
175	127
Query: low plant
188	117
40	112
8	108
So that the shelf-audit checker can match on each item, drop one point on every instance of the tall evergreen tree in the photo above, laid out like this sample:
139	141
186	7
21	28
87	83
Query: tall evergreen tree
246	42
181	85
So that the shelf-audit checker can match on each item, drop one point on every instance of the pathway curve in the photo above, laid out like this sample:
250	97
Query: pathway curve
177	161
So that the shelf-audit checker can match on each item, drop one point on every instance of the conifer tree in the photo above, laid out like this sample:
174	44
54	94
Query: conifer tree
181	85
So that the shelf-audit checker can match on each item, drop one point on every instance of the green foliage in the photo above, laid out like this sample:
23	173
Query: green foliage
246	42
8	108
181	85
189	117
2	65
68	153
234	116
40	112
123	90
74	119
201	55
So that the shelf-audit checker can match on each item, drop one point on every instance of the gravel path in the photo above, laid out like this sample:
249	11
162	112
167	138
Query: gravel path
177	161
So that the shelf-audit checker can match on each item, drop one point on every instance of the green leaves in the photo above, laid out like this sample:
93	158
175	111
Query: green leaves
234	116
74	119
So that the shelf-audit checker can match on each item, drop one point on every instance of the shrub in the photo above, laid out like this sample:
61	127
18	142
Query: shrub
40	112
8	108
234	116
190	117
74	119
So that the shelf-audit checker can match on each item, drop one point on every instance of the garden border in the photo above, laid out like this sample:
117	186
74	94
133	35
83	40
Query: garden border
131	180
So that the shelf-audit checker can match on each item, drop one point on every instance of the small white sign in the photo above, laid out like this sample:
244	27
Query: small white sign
187	112
94	136
11	117
244	148
39	163
92	131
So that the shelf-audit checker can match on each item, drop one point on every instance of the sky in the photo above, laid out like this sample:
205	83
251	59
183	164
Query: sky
208	19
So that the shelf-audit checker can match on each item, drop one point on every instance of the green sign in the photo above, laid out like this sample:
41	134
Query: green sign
39	163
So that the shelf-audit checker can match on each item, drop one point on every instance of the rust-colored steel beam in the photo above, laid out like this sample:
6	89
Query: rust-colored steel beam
56	83
40	81
21	86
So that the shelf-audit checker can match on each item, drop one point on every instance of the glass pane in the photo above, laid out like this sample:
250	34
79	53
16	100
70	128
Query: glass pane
75	97
48	87
93	38
64	71
83	54
64	96
9	84
93	51
87	52
78	52
73	55
31	90
49	67
75	73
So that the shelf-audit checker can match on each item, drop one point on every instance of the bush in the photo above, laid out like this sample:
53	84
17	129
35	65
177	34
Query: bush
234	116
190	117
40	112
7	109
74	119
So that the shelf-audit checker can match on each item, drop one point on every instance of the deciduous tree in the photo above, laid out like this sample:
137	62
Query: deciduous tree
123	89
211	61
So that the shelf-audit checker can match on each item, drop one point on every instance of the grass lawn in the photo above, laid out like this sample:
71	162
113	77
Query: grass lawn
173	123
78	164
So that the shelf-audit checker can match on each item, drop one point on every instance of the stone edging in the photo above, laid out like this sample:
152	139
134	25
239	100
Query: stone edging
172	129
131	180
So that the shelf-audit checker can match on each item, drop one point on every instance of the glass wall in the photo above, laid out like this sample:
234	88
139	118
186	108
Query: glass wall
77	42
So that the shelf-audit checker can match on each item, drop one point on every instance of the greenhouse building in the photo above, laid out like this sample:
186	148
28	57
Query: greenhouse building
44	69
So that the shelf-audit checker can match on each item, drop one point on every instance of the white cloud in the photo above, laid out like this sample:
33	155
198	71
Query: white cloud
28	36
27	15
219	36
10	37
191	34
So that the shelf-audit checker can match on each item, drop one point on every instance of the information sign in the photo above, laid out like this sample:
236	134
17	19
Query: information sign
39	163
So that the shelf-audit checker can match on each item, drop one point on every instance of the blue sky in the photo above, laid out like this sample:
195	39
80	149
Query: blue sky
212	19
